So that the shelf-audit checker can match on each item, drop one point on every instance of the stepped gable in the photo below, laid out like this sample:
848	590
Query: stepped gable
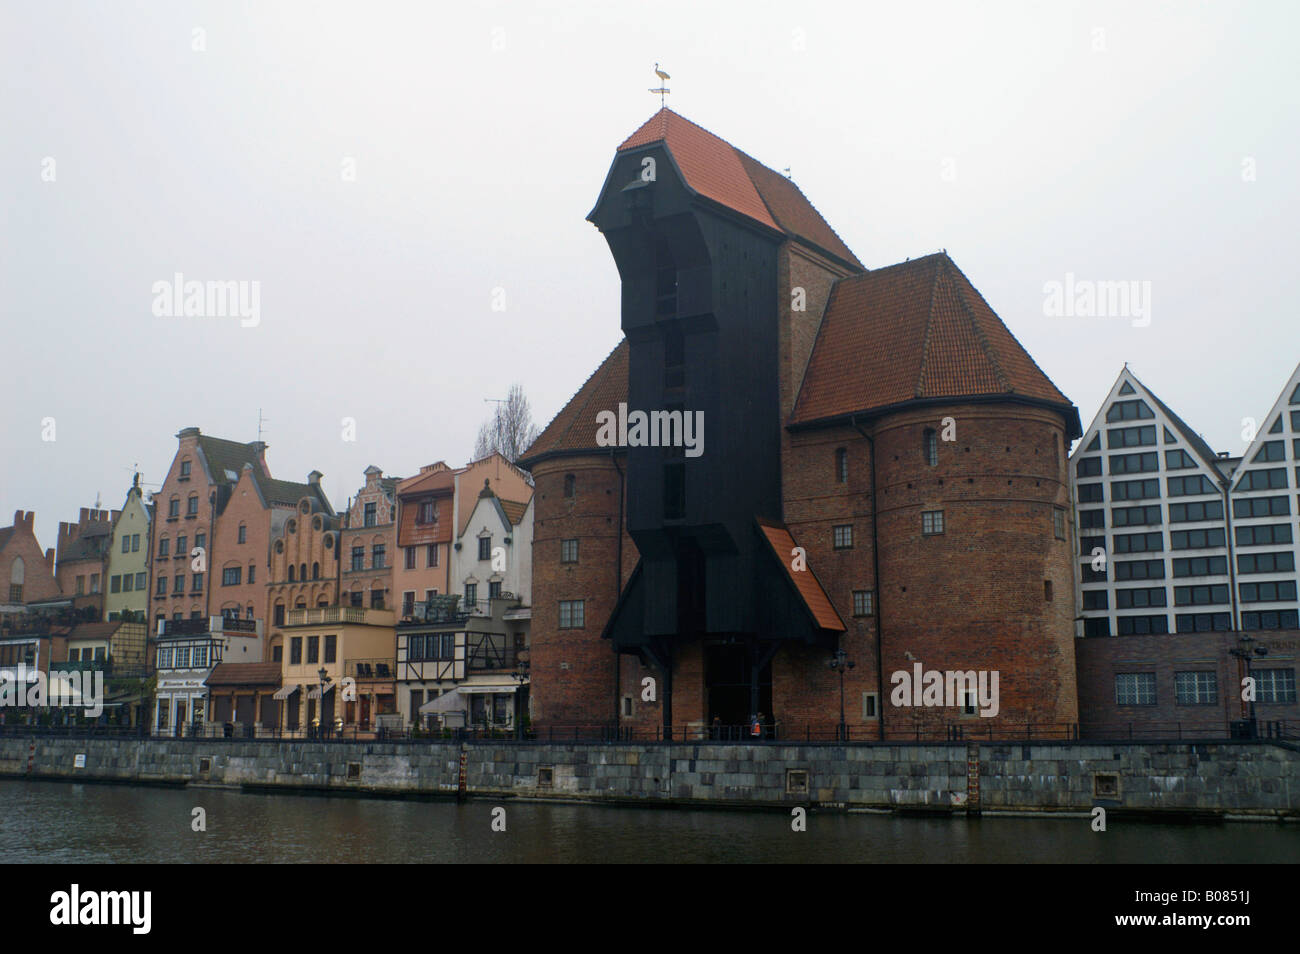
916	331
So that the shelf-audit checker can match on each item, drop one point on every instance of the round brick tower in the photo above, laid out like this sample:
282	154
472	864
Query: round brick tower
976	560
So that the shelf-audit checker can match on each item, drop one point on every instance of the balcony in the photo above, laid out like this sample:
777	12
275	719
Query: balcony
85	665
210	624
362	669
334	615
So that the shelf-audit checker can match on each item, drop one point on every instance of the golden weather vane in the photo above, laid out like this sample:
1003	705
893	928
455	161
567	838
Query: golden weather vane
662	90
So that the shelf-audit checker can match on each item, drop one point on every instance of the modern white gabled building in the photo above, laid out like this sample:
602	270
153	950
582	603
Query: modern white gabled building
1176	538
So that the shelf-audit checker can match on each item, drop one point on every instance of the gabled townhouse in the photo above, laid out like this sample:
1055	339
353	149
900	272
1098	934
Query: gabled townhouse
128	558
304	568
464	660
369	540
259	509
198	485
426	529
26	571
434	508
82	562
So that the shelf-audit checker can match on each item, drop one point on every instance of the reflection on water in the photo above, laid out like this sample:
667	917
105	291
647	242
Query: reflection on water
62	822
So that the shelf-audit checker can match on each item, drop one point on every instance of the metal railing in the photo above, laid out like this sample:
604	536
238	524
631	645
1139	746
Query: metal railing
370	668
1280	732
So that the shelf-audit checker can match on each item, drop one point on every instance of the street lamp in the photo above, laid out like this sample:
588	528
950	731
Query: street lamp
520	676
323	674
840	661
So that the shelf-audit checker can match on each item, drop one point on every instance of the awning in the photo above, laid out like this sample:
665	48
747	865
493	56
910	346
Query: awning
285	692
316	693
447	702
489	687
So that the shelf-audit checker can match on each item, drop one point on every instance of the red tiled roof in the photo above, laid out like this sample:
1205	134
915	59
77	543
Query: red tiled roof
514	510
574	427
719	171
913	331
95	630
805	582
245	674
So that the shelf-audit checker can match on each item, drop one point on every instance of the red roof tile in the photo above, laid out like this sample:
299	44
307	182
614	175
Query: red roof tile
913	331
719	171
805	581
574	427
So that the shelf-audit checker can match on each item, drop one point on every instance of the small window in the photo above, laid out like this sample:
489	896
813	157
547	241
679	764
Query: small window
193	506
431	555
842	466
931	522
485	548
410	558
870	705
1058	522
842	536
570	486
862	603
627	707
572	614
1047	591
1135	689
569	551
931	447
185	468
243	533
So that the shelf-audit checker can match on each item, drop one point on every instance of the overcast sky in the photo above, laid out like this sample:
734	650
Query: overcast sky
1148	142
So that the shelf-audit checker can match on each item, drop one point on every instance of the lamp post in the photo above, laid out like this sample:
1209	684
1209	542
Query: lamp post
323	674
840	661
520	676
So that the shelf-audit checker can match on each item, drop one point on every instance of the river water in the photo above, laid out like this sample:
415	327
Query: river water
63	822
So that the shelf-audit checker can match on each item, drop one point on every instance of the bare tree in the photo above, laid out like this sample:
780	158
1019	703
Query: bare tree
510	430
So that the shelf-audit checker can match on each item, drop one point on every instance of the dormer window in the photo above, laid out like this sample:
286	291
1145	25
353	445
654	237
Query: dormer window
428	512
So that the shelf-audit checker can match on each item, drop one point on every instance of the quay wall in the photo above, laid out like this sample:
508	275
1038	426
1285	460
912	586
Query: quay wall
1223	778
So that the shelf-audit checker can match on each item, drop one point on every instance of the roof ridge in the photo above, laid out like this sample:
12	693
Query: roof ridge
989	351
564	407
925	343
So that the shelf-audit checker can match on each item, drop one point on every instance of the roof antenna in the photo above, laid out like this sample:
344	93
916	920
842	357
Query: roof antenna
786	170
260	421
662	90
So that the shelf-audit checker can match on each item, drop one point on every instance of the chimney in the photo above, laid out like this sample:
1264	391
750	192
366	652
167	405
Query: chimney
18	518
314	477
49	560
188	432
85	515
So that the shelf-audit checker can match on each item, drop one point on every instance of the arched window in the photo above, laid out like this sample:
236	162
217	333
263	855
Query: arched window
291	572
570	486
315	571
842	466
17	571
302	572
931	447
